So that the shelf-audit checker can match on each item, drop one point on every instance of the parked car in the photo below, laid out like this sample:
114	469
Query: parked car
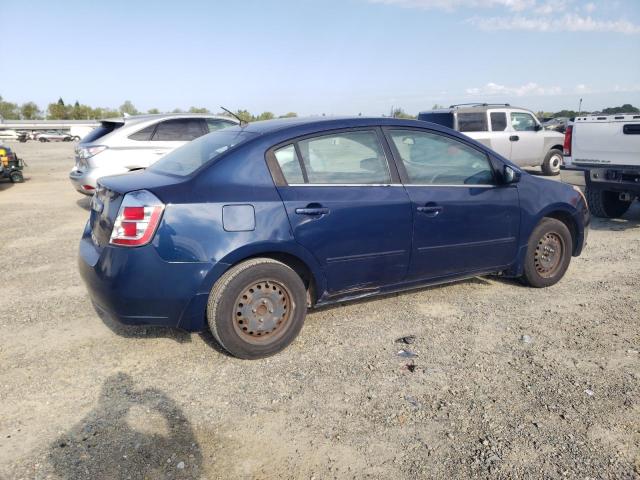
126	144
54	136
558	124
243	229
515	133
8	134
607	149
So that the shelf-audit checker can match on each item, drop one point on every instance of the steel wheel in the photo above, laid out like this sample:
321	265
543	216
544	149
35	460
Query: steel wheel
262	311
549	254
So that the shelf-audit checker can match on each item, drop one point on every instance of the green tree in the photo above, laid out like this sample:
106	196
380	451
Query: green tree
177	110
244	115
30	111
153	111
289	115
399	113
437	106
9	110
266	116
198	110
58	110
626	108
128	108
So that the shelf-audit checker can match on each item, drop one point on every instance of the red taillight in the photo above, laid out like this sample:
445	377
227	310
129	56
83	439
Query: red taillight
137	219
567	141
88	188
133	213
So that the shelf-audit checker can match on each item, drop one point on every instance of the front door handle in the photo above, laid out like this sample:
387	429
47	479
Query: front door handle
312	211
514	138
430	210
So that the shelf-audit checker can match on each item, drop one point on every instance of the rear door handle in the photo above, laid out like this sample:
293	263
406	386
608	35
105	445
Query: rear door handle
430	210
312	211
514	138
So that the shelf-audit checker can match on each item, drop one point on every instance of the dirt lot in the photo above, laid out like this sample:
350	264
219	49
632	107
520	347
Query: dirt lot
509	382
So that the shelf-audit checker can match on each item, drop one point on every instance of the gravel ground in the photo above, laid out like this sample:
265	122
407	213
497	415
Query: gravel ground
508	382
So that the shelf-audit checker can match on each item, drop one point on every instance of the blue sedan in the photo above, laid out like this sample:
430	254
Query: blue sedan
242	230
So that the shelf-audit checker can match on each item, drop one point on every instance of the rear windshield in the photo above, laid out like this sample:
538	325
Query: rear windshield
101	131
188	158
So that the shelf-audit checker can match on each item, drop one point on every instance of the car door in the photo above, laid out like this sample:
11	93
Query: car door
346	206
463	222
500	141
527	140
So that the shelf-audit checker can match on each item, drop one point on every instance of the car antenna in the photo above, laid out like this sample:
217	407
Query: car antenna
242	122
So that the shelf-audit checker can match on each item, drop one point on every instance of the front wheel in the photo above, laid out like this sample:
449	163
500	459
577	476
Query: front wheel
16	177
552	163
548	253
42	140
257	308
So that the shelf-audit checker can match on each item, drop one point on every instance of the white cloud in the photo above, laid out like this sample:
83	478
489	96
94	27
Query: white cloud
590	7
531	88
449	5
569	23
582	88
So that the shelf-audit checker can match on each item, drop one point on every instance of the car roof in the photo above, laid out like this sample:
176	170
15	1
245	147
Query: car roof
325	123
133	119
475	107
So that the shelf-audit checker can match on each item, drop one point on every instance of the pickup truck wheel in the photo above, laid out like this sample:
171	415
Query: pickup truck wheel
257	308
548	253
552	162
605	204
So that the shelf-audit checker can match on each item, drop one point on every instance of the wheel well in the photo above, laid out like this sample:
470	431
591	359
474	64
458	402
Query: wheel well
569	222
557	147
298	266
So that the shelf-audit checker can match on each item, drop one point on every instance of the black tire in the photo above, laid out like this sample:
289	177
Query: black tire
43	140
257	282
552	162
543	268
76	138
16	177
605	204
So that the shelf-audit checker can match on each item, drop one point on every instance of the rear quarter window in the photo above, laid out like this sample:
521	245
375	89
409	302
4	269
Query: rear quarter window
104	129
472	122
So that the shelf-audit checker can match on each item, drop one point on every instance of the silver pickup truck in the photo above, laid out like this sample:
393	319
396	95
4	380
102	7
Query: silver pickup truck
515	133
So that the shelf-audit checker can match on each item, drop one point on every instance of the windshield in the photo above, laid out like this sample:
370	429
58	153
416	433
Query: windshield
188	158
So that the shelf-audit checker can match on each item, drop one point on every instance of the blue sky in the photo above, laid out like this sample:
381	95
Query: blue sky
314	57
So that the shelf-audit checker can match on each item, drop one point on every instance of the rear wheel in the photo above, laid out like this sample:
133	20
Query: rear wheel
548	253
16	177
552	162
257	308
42	140
605	204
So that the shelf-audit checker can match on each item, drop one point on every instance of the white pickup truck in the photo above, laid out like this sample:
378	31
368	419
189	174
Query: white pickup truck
515	133
607	149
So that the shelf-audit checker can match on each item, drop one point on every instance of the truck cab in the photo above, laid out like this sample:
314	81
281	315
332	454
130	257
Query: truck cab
515	133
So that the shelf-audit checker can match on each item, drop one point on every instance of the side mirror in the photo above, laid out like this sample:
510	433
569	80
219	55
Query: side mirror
537	128
510	175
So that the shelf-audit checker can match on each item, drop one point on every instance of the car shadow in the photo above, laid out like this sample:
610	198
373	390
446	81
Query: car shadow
629	220
84	203
143	331
131	433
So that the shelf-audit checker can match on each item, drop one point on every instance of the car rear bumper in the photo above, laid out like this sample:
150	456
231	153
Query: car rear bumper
83	181
135	286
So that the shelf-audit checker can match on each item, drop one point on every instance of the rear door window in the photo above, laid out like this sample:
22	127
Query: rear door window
498	121
289	164
354	157
179	130
472	122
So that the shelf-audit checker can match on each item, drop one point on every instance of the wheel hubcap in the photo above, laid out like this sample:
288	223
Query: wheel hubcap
549	253
262	311
555	162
